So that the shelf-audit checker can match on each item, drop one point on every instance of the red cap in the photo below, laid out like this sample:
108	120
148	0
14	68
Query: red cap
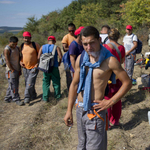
51	38
78	30
26	33
129	27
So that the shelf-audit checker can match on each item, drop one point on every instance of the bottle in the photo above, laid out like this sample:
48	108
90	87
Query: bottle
149	117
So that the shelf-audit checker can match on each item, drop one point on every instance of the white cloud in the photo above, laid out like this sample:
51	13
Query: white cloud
7	2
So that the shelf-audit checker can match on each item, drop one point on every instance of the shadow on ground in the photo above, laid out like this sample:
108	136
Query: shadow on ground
139	116
133	97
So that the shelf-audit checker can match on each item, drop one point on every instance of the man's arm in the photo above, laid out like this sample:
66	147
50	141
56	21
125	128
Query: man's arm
7	58
65	47
115	66
72	94
72	59
59	55
21	58
39	53
37	49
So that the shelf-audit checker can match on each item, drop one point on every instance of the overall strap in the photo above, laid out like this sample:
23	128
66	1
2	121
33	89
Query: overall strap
54	50
105	40
117	50
33	44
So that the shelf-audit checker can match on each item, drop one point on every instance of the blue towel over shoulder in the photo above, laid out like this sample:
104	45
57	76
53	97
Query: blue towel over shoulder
85	81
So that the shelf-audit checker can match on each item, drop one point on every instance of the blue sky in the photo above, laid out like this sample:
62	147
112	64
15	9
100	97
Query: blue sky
14	13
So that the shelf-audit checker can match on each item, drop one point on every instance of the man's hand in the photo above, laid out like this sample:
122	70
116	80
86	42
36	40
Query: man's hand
128	53
36	65
68	119
22	64
59	63
102	105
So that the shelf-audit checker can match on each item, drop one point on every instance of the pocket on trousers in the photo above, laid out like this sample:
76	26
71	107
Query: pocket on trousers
129	57
33	70
14	74
91	125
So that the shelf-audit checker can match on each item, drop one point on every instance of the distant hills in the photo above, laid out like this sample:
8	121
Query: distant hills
10	29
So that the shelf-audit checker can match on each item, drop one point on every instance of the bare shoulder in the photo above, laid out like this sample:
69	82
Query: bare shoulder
58	48
113	63
78	62
6	50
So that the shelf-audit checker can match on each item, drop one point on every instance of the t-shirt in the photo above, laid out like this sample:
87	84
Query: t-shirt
114	52
68	38
75	49
128	42
14	58
30	56
103	37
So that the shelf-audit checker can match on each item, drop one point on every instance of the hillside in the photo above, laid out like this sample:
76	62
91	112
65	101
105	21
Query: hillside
10	29
40	126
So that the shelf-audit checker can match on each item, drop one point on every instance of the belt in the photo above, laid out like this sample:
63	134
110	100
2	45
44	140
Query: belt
80	104
92	115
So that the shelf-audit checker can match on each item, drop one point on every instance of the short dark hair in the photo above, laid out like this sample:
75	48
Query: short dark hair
106	26
88	31
13	39
71	25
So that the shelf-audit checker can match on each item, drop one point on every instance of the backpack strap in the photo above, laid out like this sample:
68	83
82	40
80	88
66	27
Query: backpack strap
132	37
33	44
22	46
117	50
105	40
9	49
54	50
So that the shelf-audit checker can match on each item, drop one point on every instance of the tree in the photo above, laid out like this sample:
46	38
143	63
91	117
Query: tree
88	15
136	13
68	14
49	23
31	25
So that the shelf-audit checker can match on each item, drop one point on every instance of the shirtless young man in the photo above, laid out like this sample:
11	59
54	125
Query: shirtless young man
91	109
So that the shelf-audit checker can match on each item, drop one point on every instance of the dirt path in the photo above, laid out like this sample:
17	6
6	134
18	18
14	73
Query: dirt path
16	121
40	126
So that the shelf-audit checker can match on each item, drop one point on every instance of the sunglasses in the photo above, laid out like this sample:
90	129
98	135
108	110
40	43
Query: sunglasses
71	30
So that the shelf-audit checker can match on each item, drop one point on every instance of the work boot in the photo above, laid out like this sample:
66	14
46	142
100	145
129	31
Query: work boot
45	101
7	101
19	103
27	100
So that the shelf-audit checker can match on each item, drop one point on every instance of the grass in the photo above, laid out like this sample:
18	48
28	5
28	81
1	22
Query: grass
48	130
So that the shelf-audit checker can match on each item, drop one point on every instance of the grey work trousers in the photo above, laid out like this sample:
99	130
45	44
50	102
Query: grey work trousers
129	65
30	80
13	85
91	133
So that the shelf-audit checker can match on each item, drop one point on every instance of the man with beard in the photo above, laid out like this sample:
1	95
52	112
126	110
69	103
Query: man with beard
29	62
